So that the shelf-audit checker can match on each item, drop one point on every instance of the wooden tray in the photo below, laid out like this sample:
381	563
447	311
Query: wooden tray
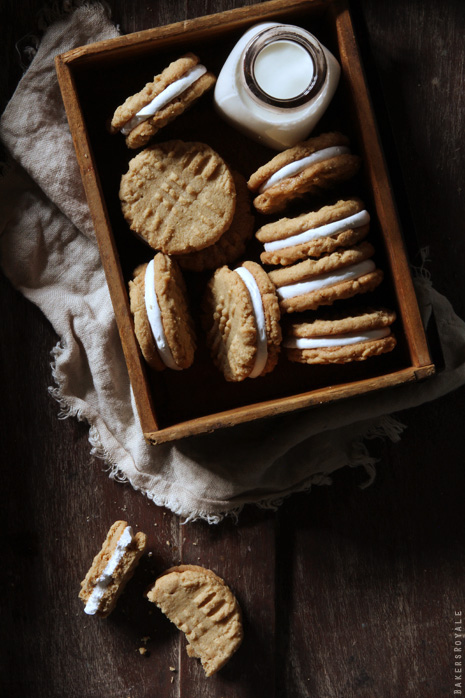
95	79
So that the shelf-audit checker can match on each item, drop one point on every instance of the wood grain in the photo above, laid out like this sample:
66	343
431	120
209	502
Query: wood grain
346	592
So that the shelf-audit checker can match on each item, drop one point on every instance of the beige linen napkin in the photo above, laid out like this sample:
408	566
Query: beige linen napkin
49	253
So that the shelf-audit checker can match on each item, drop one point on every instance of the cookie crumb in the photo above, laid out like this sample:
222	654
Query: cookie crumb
172	668
142	650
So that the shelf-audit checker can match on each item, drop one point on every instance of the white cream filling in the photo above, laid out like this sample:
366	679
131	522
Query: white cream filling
322	231
170	92
259	314
105	578
341	340
329	279
155	319
297	166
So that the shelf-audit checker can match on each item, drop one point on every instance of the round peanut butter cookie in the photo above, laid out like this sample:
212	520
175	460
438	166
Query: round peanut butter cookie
204	608
179	197
309	167
314	282
241	319
232	243
169	94
162	322
313	234
345	338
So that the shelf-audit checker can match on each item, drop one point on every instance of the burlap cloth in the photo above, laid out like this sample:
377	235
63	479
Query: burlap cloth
49	253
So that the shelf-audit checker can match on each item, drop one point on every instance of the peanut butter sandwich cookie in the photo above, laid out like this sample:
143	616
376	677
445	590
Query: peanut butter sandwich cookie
309	167
241	319
178	197
353	337
200	604
112	567
314	282
314	234
162	100
232	243
162	322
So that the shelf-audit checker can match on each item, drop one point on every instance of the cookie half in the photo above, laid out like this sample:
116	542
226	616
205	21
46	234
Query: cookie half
352	337
162	322
315	282
232	243
200	604
309	167
241	319
178	197
313	234
111	569
162	100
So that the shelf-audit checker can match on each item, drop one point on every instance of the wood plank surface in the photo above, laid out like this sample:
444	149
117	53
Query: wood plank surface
346	592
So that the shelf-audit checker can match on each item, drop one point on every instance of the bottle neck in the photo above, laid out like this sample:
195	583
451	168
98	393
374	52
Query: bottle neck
283	67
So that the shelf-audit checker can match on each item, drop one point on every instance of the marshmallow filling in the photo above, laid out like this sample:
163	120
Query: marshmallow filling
342	340
297	166
322	231
331	278
169	93
155	319
259	314
105	578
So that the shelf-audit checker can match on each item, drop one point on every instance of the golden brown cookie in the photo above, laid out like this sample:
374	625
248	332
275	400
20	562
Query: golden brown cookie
162	322
241	319
313	234
111	569
309	167
341	339
315	282
232	243
200	604
162	100
179	197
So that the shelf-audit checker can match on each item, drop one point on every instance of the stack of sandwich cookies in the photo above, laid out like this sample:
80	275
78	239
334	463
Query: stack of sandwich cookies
162	322
309	167
161	101
178	197
232	243
342	339
111	569
202	606
313	234
314	282
242	322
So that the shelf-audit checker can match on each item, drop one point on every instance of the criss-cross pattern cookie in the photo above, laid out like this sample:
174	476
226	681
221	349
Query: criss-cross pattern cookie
162	100
344	338
111	569
203	607
314	282
241	318
178	197
162	322
309	167
313	234
232	243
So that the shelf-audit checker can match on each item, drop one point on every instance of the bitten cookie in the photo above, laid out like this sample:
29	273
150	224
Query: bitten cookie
200	604
111	569
241	318
232	243
315	282
162	322
314	234
178	197
162	100
341	339
309	167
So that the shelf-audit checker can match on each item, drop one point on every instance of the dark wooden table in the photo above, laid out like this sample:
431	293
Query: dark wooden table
345	591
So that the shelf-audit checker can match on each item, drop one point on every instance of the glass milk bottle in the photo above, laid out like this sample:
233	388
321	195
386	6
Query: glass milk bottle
276	84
